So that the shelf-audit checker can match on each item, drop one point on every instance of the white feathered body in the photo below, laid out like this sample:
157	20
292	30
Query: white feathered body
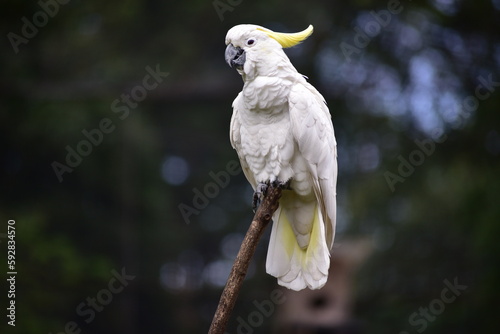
282	130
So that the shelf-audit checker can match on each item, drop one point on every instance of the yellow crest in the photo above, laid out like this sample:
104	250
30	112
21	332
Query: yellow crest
288	40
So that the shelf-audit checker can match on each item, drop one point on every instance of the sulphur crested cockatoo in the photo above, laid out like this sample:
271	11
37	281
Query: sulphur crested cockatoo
283	133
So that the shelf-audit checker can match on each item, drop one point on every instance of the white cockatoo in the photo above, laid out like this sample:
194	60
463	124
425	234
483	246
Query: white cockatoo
283	133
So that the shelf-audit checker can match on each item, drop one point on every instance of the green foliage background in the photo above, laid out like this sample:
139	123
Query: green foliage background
115	210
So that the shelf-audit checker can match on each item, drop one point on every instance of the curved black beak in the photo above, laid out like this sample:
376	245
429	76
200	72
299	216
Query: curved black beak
235	56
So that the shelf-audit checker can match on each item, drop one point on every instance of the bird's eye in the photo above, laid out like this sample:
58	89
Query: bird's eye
250	42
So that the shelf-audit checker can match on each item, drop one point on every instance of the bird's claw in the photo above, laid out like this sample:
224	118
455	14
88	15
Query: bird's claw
281	184
261	190
259	194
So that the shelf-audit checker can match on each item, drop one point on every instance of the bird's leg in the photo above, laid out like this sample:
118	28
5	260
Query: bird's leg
261	190
259	194
284	185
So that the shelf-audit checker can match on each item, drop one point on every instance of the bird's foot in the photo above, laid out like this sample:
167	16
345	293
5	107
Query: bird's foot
261	190
284	185
259	194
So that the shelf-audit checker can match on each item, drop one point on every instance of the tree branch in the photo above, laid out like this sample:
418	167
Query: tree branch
238	272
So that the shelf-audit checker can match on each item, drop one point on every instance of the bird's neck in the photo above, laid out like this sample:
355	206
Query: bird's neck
274	64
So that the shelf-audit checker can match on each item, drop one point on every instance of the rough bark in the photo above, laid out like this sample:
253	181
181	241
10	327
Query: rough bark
240	267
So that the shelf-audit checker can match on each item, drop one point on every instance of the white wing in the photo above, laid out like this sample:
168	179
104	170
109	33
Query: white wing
235	136
312	128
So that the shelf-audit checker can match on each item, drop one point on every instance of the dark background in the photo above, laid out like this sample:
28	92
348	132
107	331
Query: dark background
418	75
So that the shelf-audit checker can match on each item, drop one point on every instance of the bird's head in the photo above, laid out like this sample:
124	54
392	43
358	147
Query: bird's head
249	45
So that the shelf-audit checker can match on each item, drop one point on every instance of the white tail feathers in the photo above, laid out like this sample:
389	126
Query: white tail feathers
297	268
